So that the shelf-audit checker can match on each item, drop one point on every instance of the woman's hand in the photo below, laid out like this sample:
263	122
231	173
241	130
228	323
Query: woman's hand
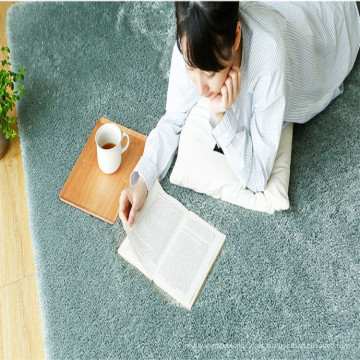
131	200
228	94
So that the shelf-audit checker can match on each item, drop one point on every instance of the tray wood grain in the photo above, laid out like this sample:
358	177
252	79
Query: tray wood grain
89	189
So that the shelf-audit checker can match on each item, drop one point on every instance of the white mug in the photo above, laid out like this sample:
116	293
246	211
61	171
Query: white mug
108	143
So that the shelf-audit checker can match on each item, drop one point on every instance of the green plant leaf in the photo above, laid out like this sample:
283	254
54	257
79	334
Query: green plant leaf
8	107
8	98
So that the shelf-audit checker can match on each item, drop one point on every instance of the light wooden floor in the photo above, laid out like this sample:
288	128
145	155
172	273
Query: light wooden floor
21	334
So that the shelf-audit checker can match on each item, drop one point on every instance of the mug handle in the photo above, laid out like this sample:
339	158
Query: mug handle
127	143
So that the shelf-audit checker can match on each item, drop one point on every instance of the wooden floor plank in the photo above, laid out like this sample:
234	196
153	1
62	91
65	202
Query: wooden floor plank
16	254
21	320
21	334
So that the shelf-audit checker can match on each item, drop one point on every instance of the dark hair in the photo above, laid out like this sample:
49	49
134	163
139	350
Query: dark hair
210	29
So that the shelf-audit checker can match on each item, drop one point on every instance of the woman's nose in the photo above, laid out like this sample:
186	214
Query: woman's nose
201	85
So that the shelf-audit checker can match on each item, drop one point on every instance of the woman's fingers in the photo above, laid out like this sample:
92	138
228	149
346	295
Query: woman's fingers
229	85
228	92
235	74
124	206
132	215
123	213
131	200
238	81
225	98
234	83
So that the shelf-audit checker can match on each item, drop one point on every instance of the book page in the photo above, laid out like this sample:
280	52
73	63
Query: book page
189	258
126	251
154	226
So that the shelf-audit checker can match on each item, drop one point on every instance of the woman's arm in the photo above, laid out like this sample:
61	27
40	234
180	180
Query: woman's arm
163	140
251	153
250	145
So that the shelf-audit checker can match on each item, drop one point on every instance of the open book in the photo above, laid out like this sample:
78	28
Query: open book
172	246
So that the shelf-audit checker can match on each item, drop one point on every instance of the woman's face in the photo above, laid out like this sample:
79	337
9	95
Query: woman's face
208	83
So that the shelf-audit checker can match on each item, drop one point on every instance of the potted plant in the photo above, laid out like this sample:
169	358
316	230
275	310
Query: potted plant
8	96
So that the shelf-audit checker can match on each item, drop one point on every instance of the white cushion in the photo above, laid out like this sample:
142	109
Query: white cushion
204	170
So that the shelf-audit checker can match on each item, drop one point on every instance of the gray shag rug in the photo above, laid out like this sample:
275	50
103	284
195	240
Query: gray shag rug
285	285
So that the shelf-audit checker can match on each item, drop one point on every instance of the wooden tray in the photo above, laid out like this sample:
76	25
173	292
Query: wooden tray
89	189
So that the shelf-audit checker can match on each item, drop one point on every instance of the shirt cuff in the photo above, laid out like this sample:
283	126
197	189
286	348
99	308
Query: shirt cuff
146	169
225	131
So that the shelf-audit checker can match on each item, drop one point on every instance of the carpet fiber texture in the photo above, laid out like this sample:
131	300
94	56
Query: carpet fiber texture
285	285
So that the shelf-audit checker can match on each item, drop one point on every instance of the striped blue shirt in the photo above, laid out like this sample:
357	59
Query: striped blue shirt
295	58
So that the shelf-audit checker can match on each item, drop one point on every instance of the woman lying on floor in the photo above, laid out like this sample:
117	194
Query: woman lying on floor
261	66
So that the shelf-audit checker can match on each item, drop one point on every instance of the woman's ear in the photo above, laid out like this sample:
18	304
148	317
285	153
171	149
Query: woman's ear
237	36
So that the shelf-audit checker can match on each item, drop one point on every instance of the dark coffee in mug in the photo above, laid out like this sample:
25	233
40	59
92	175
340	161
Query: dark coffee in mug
108	146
